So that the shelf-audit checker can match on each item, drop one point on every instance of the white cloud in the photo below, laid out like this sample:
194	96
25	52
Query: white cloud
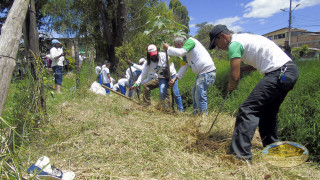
267	8
262	21
192	26
230	23
191	18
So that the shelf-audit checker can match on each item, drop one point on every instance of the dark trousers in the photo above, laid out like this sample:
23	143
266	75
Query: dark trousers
147	88
260	109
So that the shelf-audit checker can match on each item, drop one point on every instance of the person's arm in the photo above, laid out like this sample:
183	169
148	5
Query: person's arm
234	74
247	68
143	74
139	67
172	51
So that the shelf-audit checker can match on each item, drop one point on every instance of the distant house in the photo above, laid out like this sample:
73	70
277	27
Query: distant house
299	37
314	53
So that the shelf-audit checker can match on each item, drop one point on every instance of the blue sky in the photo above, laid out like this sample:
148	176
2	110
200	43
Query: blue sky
255	16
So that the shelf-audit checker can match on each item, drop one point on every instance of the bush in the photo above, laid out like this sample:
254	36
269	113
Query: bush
299	52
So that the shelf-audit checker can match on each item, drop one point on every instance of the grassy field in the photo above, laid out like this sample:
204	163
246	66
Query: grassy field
101	137
109	137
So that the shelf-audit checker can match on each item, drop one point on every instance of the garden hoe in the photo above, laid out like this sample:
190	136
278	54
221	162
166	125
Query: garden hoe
120	94
218	112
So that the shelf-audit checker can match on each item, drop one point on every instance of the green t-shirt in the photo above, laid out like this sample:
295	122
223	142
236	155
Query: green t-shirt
189	45
235	50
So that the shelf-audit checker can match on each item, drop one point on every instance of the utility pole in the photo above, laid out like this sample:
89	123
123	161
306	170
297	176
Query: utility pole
289	34
290	20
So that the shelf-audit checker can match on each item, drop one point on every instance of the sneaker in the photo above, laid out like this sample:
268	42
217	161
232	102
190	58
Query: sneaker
43	169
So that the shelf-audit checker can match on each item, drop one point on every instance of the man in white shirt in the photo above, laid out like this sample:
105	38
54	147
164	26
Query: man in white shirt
98	72
57	57
106	78
136	73
81	58
200	61
157	62
123	82
262	105
149	84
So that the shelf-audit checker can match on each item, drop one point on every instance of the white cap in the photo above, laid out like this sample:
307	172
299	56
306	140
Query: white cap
152	49
142	60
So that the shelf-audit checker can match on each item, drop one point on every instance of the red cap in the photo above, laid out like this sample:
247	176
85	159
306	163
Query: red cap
152	50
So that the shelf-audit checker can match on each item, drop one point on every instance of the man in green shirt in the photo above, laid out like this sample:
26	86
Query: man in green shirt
262	105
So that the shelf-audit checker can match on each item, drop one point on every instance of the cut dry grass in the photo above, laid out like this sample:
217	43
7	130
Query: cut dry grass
110	137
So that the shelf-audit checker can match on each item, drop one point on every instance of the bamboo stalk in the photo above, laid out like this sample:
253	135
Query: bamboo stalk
120	94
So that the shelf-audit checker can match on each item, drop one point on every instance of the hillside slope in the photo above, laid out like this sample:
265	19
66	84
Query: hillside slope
101	137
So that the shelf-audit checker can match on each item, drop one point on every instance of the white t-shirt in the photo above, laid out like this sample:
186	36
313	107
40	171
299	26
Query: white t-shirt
81	59
98	70
160	68
198	57
105	72
123	82
151	74
116	87
128	73
257	51
54	52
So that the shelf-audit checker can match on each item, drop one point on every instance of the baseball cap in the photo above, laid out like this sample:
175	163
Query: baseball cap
216	30
141	60
152	50
55	41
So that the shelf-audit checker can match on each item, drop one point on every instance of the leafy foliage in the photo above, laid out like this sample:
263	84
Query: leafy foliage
301	51
181	13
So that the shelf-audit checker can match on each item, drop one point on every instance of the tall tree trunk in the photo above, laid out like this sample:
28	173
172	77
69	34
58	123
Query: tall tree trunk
34	48
113	25
121	19
9	43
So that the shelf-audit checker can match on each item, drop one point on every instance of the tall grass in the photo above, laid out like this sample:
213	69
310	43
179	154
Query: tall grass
23	122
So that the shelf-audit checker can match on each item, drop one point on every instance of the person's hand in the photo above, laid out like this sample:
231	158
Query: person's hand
165	46
231	87
171	83
129	62
132	88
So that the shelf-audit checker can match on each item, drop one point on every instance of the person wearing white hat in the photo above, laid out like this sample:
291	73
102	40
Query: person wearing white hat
157	62
57	57
149	84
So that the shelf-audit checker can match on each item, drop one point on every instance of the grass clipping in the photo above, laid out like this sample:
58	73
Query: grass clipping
101	137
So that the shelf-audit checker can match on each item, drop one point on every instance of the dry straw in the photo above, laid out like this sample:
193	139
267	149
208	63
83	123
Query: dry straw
110	137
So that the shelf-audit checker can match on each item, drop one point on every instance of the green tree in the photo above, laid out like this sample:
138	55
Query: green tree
203	36
181	13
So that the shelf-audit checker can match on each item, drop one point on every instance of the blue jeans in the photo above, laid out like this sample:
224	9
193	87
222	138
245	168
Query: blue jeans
123	89
163	86
199	91
136	74
57	74
100	78
108	85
